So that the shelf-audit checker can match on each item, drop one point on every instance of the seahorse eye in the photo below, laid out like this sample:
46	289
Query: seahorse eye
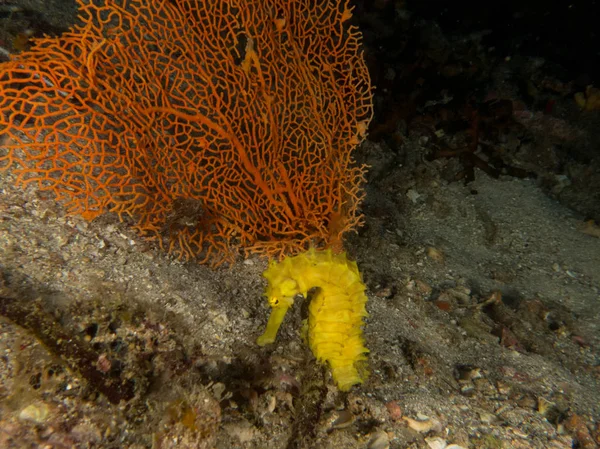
274	301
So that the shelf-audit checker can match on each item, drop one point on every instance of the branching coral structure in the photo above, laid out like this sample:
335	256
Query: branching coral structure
217	126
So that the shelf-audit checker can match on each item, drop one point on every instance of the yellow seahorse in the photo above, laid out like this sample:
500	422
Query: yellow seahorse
336	311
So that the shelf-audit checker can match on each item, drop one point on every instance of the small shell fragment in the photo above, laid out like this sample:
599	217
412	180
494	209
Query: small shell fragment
344	419
420	426
379	440
436	443
394	410
37	413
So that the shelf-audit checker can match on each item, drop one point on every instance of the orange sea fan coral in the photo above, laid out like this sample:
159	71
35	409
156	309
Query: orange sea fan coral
215	125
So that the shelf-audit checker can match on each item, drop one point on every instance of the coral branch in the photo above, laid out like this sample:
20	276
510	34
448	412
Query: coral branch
217	126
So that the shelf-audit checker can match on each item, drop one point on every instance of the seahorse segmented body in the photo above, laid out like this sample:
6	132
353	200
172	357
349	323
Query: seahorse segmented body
336	311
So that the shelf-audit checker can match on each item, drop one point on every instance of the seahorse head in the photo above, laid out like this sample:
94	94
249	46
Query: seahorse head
282	293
